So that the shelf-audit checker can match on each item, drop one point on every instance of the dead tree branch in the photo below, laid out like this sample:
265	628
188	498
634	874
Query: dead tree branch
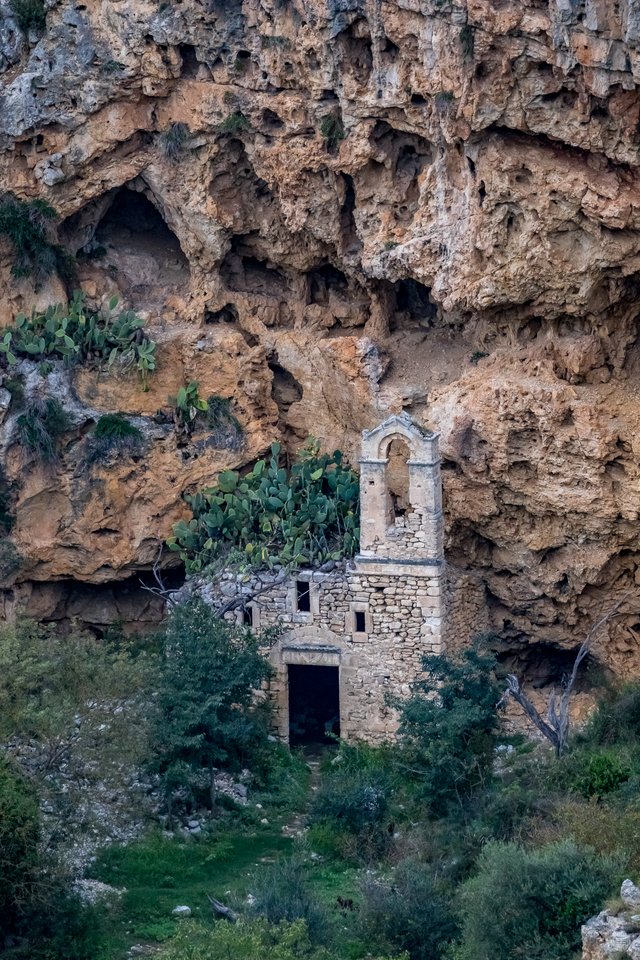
194	586
223	911
555	728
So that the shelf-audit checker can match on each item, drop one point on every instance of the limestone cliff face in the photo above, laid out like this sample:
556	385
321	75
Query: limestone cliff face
370	196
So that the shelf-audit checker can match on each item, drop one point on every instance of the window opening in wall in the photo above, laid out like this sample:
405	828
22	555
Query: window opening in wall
303	596
360	621
247	616
314	704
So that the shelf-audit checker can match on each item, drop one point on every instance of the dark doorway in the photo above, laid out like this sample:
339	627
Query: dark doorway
314	704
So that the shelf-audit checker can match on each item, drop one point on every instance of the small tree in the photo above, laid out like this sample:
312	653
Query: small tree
448	724
207	717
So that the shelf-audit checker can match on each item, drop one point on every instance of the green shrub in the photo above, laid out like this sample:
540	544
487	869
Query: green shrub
448	726
609	828
234	123
41	426
172	140
304	515
115	426
354	802
593	773
407	912
226	429
477	355
114	436
281	892
58	926
19	842
28	226
616	719
531	904
332	130
187	405
29	14
61	692
71	333
357	802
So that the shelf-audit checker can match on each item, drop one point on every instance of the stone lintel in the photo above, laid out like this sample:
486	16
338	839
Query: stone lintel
389	566
307	654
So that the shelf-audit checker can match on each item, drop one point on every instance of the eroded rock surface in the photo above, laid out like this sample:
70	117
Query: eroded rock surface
371	206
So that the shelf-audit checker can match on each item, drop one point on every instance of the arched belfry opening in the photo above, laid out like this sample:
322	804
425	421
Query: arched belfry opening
400	492
398	456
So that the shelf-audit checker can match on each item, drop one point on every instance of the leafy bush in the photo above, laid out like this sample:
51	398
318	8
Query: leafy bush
41	426
354	800
593	773
282	893
448	725
407	912
27	224
207	719
114	436
301	516
58	926
173	139
29	14
531	904
19	842
115	426
72	333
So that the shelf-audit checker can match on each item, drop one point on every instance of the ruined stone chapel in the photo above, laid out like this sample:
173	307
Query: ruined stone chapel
357	633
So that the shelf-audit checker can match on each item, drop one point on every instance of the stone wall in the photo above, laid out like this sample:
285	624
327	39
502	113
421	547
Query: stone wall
402	621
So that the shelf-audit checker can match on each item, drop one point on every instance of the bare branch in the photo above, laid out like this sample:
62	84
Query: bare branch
556	726
223	911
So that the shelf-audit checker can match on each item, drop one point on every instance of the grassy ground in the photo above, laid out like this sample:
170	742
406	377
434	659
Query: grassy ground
159	872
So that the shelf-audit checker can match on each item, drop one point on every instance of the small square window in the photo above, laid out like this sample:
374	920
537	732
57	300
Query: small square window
303	596
360	621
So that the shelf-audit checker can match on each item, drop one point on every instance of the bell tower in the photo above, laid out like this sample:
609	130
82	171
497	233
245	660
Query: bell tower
412	535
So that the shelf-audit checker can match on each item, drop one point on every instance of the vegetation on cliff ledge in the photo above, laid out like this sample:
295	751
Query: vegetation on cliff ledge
74	333
304	515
